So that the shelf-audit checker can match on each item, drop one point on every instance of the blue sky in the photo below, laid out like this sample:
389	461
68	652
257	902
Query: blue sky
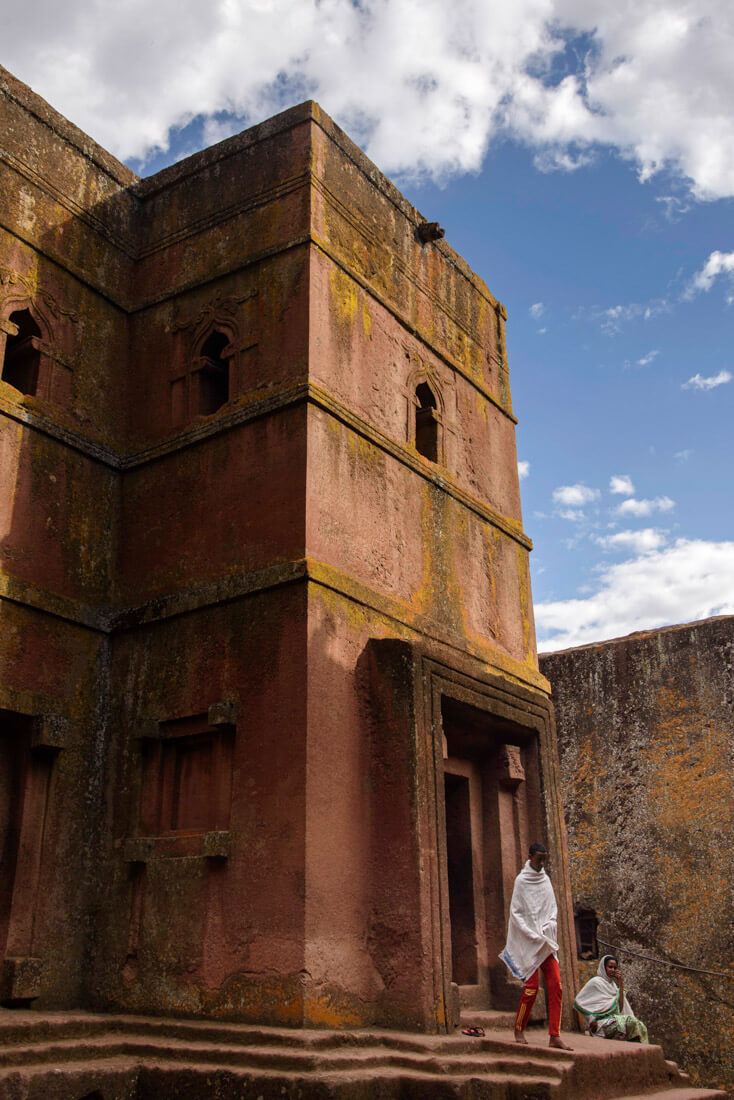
580	155
602	394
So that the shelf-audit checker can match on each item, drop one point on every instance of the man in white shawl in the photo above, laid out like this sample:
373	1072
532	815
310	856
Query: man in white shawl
607	1011
532	945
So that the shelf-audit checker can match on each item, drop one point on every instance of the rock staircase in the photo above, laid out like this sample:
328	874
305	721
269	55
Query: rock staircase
85	1056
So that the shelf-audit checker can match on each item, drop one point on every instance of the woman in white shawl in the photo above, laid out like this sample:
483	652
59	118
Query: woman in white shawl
607	1011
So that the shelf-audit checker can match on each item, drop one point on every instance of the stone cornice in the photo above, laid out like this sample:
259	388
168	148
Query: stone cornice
36	106
266	406
415	330
242	585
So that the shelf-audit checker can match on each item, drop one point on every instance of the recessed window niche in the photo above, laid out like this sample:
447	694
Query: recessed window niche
586	923
213	374
187	778
22	355
427	422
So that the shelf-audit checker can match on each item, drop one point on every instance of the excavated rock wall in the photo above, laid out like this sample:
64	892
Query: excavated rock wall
646	736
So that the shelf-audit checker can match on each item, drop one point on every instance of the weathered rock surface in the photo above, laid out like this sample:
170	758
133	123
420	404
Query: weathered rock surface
646	736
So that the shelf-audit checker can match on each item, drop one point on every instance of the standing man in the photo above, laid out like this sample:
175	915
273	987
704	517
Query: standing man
532	945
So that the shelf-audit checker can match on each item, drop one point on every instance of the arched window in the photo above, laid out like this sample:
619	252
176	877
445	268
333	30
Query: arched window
22	354
426	422
213	374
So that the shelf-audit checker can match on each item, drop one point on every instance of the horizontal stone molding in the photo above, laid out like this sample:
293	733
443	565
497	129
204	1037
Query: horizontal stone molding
418	332
241	586
51	731
214	844
33	597
306	392
122	243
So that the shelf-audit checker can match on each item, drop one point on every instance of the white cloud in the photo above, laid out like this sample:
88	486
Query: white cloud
653	81
634	507
691	579
698	382
621	484
573	515
683	456
640	542
673	207
612	319
718	263
575	496
523	469
537	310
562	160
647	359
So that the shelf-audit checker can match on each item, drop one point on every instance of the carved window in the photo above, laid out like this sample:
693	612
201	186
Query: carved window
209	380
22	357
212	374
586	923
427	423
187	779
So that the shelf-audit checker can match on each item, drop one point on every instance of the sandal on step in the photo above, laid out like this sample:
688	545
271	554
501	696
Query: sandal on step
475	1032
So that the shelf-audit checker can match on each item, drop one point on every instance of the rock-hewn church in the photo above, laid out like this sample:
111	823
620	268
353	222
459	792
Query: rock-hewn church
273	736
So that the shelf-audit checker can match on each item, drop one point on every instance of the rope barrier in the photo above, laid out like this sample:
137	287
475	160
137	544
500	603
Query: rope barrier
664	962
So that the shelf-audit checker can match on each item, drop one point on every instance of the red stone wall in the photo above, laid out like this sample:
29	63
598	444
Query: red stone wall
254	791
63	254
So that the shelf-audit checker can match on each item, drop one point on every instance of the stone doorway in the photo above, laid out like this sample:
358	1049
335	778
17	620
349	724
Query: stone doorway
492	800
14	753
28	747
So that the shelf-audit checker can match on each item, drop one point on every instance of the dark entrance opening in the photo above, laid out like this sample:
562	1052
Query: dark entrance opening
492	811
586	923
22	357
14	750
426	422
214	374
461	880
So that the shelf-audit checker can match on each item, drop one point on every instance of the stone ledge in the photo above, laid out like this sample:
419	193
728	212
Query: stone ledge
21	978
214	844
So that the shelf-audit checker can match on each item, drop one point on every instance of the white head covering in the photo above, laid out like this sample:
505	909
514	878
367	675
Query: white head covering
600	996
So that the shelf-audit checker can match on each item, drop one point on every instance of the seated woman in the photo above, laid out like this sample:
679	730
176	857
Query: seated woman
606	1009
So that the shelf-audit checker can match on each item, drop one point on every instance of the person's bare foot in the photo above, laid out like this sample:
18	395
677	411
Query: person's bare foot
557	1042
520	1037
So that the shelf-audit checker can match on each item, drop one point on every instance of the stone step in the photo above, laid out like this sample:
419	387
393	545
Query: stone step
392	1085
122	1080
322	1064
116	1079
492	1019
30	1027
383	1084
250	1057
685	1093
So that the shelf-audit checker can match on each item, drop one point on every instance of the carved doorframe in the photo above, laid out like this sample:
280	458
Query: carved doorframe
498	697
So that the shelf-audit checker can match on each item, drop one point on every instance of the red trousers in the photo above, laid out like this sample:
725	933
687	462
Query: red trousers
553	996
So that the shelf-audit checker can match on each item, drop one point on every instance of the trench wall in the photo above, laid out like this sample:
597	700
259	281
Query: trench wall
646	738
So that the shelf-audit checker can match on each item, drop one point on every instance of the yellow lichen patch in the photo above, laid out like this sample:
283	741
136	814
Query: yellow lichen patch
491	537
526	606
344	296
366	317
439	589
587	864
690	799
692	786
339	607
583	778
320	1011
